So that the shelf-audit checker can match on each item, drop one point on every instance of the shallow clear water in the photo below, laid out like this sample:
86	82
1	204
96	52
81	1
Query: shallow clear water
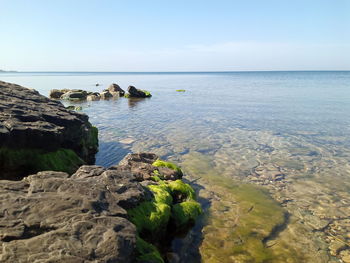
252	126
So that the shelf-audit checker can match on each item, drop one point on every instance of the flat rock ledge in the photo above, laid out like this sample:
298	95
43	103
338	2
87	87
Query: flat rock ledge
51	217
37	133
54	217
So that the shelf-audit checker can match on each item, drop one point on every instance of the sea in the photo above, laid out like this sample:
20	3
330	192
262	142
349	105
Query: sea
285	133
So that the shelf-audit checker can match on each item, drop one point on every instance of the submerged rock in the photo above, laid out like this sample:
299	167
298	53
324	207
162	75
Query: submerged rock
146	165
138	93
37	134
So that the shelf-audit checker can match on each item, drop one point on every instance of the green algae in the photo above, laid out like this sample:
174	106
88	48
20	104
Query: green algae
152	217
161	163
179	187
240	221
147	93
185	212
146	252
92	140
173	203
34	160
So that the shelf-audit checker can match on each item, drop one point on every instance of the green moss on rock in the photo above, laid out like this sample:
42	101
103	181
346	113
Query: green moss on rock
185	213
151	217
161	163
179	187
147	93
173	203
146	252
34	160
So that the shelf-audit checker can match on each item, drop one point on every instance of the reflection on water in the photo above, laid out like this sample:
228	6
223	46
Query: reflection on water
287	132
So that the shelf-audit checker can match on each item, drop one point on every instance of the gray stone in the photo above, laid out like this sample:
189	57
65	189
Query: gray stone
31	121
105	95
116	90
51	217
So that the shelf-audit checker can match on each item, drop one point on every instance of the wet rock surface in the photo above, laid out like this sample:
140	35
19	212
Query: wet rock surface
51	217
140	165
31	122
137	93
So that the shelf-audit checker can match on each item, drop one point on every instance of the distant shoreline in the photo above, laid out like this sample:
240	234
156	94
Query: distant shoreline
8	71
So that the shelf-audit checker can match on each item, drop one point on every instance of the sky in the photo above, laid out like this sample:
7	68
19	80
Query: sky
181	35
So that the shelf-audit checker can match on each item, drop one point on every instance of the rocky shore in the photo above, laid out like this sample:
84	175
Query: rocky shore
95	215
37	134
56	209
113	91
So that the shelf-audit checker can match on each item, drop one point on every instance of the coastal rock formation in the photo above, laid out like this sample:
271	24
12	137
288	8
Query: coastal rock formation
138	93
113	91
52	217
37	134
116	90
95	215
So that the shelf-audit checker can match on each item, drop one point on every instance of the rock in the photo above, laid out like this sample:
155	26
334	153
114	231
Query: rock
116	90
76	108
94	96
137	93
37	134
141	166
105	95
139	157
75	95
55	94
51	217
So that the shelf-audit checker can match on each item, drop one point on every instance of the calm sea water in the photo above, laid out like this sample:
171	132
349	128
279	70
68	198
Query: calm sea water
297	122
288	103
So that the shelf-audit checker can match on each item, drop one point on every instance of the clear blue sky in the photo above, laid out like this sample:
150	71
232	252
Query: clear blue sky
178	35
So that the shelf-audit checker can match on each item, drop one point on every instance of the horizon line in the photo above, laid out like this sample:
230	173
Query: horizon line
216	71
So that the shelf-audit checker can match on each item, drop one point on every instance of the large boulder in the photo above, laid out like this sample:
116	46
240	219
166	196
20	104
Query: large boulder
51	217
37	134
116	90
138	93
